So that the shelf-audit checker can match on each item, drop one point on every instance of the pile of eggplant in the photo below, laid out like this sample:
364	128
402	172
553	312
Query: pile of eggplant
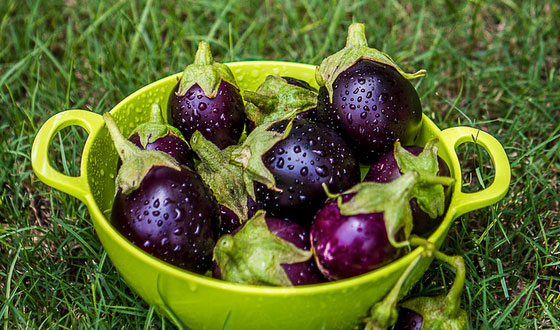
263	187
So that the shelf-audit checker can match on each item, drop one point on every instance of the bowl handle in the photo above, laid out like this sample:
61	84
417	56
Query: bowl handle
465	202
76	186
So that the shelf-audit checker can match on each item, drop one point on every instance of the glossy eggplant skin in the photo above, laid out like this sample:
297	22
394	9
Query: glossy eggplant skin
230	221
311	155
301	273
219	119
171	216
171	145
372	106
408	320
386	170
347	246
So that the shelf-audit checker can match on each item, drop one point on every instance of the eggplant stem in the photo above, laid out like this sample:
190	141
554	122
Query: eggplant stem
124	147
436	179
155	115
356	35
263	102
203	54
384	314
454	296
330	194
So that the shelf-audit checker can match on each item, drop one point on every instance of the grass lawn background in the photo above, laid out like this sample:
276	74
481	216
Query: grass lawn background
492	65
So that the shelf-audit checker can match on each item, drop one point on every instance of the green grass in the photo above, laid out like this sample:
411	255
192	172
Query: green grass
492	65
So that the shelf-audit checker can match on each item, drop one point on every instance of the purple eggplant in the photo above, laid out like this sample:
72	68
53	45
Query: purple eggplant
347	246
365	227
207	99
230	221
156	134
280	98
289	172
386	169
367	98
163	207
266	251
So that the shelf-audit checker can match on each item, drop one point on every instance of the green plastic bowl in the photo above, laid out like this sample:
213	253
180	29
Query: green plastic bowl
198	302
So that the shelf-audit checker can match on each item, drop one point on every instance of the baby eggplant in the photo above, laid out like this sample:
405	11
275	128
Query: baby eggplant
280	98
367	98
267	251
156	134
162	207
207	99
365	227
347	246
388	168
229	221
295	166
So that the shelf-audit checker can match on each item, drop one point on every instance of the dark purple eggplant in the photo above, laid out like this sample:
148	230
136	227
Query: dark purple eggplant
280	98
386	169
347	246
367	98
230	221
207	99
156	134
163	207
367	225
266	251
295	167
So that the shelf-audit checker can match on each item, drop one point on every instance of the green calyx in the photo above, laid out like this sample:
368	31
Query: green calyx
392	199
206	73
224	179
156	128
255	256
249	156
443	312
276	99
429	196
136	162
356	49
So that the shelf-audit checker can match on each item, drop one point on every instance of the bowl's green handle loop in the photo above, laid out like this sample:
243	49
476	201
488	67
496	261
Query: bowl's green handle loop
76	186
465	202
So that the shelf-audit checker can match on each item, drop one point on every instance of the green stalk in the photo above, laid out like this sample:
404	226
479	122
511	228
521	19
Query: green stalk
453	298
203	54
156	116
262	101
356	35
435	179
126	149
